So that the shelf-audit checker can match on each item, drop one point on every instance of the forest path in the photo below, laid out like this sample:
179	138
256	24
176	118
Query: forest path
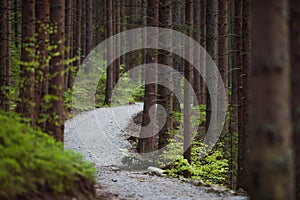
99	136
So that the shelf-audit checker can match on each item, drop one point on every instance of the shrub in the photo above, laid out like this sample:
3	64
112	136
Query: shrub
212	168
33	163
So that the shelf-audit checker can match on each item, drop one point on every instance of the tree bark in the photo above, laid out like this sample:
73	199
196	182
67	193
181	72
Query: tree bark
42	72
187	92
211	48
165	91
196	73
295	83
68	42
146	142
26	105
89	26
55	124
8	54
109	53
83	28
177	60
118	42
270	174
203	44
234	65
3	49
16	22
245	57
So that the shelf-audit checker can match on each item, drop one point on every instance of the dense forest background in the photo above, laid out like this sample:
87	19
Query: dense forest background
255	45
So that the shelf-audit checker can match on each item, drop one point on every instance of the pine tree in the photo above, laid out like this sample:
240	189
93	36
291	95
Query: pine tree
270	174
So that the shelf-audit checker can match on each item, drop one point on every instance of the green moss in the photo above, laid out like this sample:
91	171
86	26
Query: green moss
32	162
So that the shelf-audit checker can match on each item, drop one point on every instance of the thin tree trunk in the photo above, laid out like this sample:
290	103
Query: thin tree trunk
144	42
118	42
109	53
83	28
132	56
242	141
237	83
203	44
68	41
211	47
177	64
187	92
295	81
77	40
89	26
42	72
55	125
17	22
196	30
3	49
8	54
123	21
26	105
270	174
165	89
223	64
235	64
73	49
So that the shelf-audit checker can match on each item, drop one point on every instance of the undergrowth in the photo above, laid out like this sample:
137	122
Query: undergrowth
211	167
34	163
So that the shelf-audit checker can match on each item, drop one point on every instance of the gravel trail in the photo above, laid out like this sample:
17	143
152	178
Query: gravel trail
99	136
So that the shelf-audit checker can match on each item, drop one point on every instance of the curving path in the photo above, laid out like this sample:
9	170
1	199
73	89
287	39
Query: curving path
98	135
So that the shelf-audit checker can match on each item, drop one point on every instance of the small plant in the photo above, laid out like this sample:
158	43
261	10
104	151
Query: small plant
211	168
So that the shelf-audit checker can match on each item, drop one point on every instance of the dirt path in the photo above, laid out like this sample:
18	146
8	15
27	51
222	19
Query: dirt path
99	135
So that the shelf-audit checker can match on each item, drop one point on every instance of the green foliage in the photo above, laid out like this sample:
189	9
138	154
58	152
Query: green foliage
212	168
32	162
138	93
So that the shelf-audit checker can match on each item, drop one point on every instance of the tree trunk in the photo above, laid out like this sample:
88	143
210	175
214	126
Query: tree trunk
109	53
203	44
3	49
55	125
77	9
165	89
132	56
74	43
42	72
223	66
211	48
223	43
146	142
245	57
196	30
295	80
83	29
187	92
8	54
177	64
16	22
237	47
26	105
235	65
68	42
89	26
270	174
118	42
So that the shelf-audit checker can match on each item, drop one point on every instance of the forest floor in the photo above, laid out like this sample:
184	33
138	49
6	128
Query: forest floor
100	135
